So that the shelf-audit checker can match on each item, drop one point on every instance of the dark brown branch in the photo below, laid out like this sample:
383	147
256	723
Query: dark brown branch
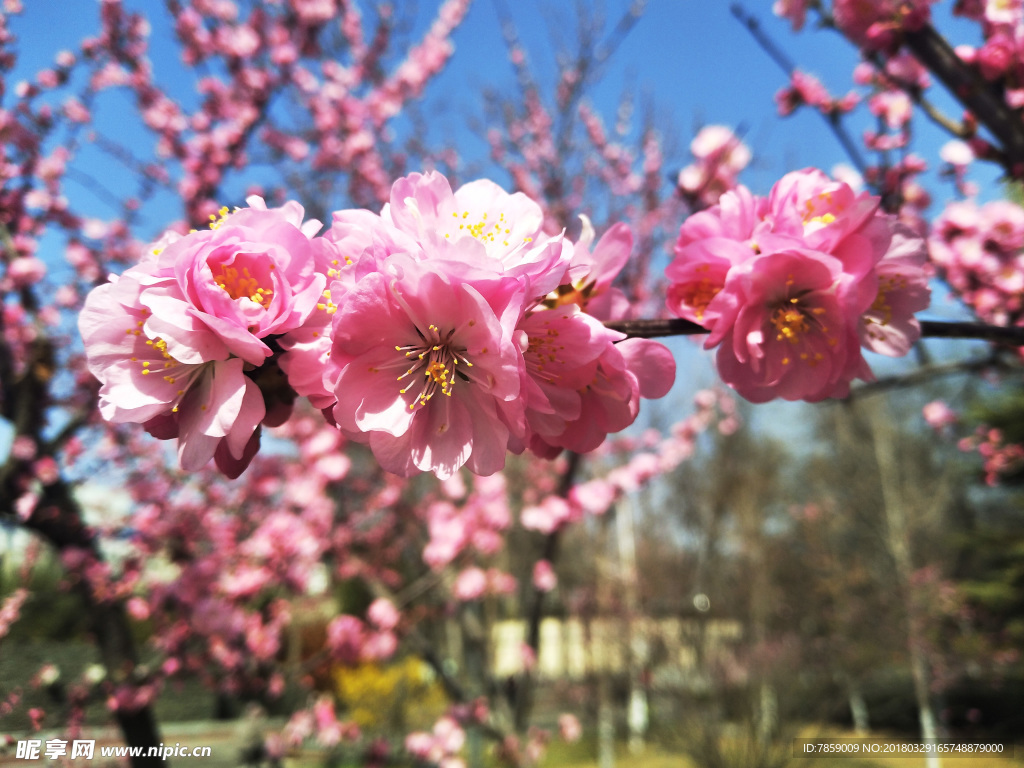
986	102
58	519
936	329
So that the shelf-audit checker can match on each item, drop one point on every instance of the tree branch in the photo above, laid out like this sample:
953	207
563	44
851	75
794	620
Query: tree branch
926	373
936	329
832	119
986	102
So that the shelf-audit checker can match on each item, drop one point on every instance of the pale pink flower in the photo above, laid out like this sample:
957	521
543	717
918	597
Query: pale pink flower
720	156
939	415
383	614
594	496
170	339
24	448
380	646
544	577
1010	12
957	153
548	516
206	400
626	371
888	326
428	370
479	223
563	349
470	584
345	638
25	271
803	89
569	727
794	10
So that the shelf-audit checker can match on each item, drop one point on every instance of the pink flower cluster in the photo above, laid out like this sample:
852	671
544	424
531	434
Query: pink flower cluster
877	25
807	89
1001	58
978	250
791	286
442	332
719	156
176	339
1001	459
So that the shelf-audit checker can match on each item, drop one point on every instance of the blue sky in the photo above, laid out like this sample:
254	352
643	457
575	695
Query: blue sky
691	59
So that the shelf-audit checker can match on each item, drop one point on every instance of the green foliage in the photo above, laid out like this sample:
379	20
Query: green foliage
53	610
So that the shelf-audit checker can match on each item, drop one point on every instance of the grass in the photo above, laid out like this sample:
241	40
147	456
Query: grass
582	755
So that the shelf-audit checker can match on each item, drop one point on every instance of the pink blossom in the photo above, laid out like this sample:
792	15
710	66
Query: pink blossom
170	339
1009	12
861	277
479	223
569	727
380	646
552	513
544	577
470	584
594	496
383	614
345	638
25	271
610	401
592	271
791	335
888	326
250	276
939	415
720	156
804	89
561	360
204	400
794	10
428	372
23	448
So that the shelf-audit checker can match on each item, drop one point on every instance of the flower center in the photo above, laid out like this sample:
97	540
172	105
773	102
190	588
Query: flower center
790	322
794	322
438	360
240	283
491	233
698	295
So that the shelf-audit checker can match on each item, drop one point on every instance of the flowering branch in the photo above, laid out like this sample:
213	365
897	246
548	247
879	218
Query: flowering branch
986	103
937	329
832	117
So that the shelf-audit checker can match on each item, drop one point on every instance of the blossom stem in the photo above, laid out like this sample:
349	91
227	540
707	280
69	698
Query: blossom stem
938	329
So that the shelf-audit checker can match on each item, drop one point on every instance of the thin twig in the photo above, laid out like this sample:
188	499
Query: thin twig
924	374
832	119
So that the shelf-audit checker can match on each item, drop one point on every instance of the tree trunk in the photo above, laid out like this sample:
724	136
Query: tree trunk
65	529
899	546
